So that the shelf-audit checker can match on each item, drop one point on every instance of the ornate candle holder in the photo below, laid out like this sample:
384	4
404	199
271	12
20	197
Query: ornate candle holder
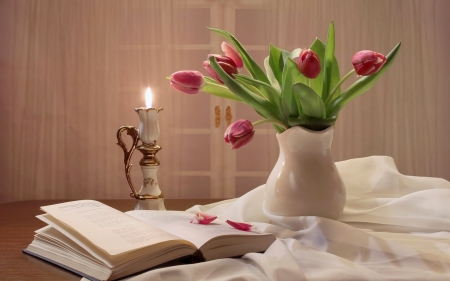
149	196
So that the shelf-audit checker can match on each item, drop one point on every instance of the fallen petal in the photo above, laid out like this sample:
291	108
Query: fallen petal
203	218
240	225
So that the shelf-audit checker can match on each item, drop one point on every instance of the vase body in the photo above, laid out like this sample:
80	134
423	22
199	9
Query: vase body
305	180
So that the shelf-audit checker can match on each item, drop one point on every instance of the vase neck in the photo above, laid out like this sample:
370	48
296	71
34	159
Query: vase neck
299	139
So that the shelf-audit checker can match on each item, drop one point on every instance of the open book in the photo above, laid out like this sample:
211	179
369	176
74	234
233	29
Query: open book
102	243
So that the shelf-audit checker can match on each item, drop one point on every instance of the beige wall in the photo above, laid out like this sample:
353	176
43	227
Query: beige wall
71	73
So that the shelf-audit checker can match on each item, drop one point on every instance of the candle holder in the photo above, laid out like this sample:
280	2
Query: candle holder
149	196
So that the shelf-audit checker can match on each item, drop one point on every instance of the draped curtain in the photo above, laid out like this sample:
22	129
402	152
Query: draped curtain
72	72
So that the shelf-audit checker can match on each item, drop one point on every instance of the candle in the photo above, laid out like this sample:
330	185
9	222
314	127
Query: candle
148	125
148	98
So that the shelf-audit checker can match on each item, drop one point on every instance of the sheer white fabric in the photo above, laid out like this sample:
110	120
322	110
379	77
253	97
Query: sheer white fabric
394	227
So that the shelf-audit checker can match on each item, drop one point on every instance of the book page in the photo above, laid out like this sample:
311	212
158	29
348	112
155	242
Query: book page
68	234
178	223
107	228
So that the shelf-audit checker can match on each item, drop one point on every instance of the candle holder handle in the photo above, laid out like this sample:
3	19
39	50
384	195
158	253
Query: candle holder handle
133	132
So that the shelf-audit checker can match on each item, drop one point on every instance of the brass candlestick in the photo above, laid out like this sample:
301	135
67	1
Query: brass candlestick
149	197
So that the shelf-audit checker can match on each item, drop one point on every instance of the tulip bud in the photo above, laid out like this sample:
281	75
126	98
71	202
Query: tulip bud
239	133
227	64
232	53
309	64
367	62
187	81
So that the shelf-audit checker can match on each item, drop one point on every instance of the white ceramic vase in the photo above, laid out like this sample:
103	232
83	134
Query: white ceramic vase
305	180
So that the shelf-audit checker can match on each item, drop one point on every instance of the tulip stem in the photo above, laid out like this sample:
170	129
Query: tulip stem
273	121
330	97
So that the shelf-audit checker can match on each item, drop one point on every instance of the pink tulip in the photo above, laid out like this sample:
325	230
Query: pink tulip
367	62
239	133
309	64
232	53
203	218
227	64
240	225
187	81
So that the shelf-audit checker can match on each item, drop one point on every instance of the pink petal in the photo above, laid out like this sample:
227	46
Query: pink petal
240	225
226	135
188	78
226	63
203	218
242	140
367	62
184	89
309	64
240	128
228	68
232	53
224	59
211	72
239	133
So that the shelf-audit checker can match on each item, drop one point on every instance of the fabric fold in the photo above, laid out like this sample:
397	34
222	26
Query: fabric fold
394	227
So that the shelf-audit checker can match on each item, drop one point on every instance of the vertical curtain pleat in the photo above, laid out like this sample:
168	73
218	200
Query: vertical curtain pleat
76	71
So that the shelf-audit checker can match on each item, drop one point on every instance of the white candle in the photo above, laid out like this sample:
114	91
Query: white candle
148	126
148	98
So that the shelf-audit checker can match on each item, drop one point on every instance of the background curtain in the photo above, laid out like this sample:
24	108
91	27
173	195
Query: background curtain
72	72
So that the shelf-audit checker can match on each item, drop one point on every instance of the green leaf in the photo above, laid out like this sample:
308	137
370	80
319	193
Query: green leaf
335	78
252	67
220	91
276	62
278	128
269	92
252	88
361	86
273	81
328	63
317	83
311	103
211	80
319	48
261	105
291	75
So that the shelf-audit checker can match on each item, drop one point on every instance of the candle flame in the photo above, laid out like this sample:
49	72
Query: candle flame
148	98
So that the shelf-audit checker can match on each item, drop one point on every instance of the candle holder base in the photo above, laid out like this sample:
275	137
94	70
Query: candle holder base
150	204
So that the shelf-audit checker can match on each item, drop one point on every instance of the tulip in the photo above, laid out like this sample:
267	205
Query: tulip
227	64
187	81
239	133
232	53
240	225
309	64
203	218
367	62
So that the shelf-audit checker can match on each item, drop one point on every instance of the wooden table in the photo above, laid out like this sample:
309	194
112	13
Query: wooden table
17	226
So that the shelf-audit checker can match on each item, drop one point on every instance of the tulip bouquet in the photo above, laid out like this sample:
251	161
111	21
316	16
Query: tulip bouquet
298	88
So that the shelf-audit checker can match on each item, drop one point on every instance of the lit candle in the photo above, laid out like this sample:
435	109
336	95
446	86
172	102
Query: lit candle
148	126
148	98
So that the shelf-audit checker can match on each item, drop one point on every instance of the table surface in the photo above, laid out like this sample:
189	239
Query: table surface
17	226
